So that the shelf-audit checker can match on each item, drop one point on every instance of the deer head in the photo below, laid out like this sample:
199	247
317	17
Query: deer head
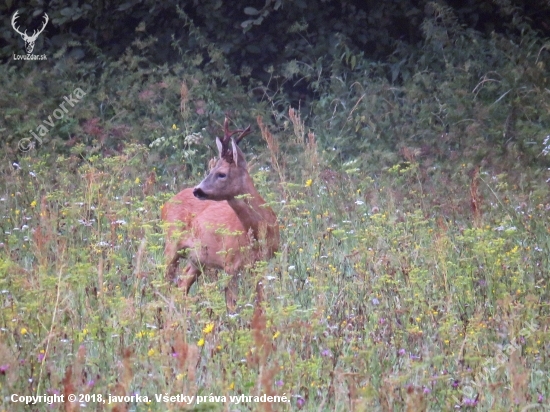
29	40
229	176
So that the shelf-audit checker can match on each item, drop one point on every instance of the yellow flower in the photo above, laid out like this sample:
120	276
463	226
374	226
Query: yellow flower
200	342
232	386
276	335
174	127
151	352
208	328
179	376
23	331
33	203
137	181
308	182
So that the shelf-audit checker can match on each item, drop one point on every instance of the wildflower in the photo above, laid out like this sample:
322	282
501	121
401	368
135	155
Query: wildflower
4	368
327	353
137	181
151	352
276	335
200	342
23	331
208	328
300	402
308	182
231	385
281	383
401	352
469	402
33	203
174	127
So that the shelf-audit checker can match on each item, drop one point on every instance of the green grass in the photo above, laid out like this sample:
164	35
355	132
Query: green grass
389	293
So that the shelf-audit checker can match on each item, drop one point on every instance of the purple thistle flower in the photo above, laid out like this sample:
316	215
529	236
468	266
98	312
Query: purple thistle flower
327	353
469	402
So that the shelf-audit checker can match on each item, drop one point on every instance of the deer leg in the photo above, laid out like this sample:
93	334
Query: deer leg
231	294
190	275
259	292
172	268
172	258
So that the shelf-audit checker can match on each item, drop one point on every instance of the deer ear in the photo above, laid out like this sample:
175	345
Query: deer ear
220	146
238	156
235	152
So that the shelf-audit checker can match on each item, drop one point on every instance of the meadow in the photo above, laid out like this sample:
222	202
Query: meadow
416	288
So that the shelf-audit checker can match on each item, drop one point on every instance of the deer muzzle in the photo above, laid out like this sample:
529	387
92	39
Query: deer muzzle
199	194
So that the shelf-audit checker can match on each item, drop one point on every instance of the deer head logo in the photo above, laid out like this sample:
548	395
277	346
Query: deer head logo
29	40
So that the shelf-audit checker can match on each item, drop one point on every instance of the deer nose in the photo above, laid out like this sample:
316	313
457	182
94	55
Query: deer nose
199	194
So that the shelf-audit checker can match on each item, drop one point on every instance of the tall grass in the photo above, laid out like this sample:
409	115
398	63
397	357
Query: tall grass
415	289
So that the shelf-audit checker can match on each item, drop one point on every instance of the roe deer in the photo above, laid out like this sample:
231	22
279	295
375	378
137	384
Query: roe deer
223	223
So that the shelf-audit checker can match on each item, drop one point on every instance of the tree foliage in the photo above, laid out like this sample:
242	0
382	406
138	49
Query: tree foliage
368	75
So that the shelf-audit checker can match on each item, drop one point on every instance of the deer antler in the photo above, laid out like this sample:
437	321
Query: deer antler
29	40
13	19
37	32
228	134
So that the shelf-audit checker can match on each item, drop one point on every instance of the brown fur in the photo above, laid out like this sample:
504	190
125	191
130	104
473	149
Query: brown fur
221	231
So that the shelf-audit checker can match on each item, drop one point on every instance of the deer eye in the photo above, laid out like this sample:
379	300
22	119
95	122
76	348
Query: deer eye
221	175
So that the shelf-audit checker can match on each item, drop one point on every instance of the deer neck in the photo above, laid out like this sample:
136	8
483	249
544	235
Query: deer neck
251	211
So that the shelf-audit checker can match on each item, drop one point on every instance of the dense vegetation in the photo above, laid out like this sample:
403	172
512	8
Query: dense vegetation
402	144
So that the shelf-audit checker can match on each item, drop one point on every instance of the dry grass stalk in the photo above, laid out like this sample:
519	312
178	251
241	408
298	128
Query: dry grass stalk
475	198
309	145
259	358
187	356
122	387
273	147
299	128
519	379
415	401
184	99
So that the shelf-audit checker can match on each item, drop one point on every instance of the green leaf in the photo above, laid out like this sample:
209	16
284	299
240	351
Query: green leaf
67	11
251	11
246	23
125	6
